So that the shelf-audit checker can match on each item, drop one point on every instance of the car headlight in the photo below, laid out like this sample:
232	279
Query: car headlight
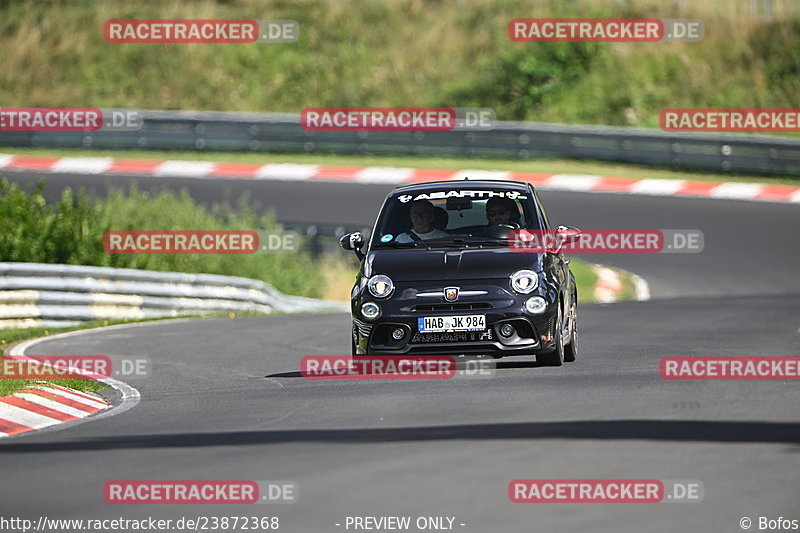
370	311
380	286
524	281
536	305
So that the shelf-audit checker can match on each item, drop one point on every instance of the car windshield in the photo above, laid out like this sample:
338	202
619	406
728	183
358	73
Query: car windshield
454	218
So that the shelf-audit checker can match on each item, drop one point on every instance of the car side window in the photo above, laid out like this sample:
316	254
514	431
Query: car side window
541	211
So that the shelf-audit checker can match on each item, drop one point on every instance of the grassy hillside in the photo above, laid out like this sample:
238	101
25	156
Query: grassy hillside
404	52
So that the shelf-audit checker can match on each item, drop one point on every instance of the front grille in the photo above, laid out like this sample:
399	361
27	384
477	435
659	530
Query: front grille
453	307
474	349
454	336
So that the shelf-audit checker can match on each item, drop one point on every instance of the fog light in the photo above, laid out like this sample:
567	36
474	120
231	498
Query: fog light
506	330
398	334
370	311
536	305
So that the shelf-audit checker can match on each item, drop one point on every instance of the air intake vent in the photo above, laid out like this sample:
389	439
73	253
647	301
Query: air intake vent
453	307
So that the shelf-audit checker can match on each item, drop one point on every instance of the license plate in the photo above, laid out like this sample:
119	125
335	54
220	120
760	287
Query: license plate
452	336
451	323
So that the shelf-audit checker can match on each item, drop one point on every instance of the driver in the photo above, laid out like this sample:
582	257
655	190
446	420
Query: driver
502	211
423	217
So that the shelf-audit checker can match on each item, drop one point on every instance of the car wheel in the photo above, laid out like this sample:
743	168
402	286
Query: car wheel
571	349
556	357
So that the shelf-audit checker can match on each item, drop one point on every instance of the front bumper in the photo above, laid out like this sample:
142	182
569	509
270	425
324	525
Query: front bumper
532	333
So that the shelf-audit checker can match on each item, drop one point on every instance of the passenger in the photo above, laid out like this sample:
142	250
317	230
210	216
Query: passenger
502	211
423	217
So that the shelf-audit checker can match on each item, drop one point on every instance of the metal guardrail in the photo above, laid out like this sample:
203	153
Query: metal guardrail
34	294
322	239
245	132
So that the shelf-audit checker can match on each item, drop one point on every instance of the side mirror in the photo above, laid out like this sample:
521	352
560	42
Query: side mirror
566	235
353	241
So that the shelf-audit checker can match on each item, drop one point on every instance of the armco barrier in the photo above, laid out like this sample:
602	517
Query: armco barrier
34	294
245	132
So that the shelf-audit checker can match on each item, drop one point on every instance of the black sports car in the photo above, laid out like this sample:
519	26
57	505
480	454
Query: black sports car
441	275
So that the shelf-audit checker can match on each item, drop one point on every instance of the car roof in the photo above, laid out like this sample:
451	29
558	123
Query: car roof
462	184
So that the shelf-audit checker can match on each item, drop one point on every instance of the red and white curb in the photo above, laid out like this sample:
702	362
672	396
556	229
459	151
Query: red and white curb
398	176
45	405
609	285
50	406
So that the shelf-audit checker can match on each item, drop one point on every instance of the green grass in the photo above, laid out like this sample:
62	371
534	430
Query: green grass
404	53
71	230
554	166
628	286
10	386
585	278
9	337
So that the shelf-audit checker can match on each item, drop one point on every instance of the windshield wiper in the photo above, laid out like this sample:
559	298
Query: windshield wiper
482	242
447	243
412	244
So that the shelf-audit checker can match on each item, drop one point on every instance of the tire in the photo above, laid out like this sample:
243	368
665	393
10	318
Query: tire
556	357
571	349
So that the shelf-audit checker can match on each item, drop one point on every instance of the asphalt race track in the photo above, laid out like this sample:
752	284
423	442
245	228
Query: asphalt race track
225	400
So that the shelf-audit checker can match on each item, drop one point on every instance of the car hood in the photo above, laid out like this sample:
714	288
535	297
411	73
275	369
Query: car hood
450	264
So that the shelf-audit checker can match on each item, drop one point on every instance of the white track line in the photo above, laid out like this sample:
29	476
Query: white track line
188	169
391	175
130	395
736	190
97	404
24	417
480	175
384	175
51	404
609	284
657	187
84	165
572	182
642	288
286	171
